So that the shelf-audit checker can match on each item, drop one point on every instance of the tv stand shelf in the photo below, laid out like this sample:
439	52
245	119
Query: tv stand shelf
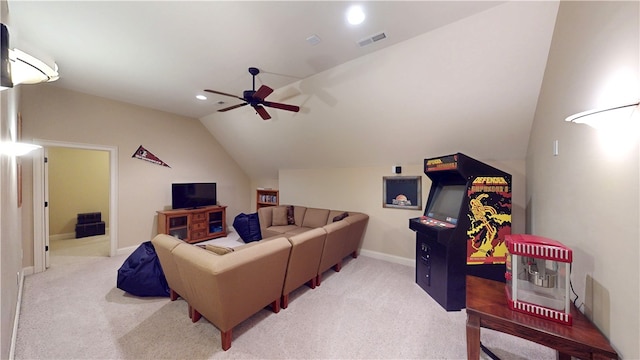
194	225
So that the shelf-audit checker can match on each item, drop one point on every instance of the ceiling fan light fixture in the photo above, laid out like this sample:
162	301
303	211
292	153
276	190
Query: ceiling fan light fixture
201	97
255	98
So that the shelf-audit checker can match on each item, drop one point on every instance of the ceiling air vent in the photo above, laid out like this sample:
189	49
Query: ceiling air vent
371	39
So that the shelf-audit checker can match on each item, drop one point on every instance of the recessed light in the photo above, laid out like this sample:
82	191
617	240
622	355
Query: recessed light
355	15
201	97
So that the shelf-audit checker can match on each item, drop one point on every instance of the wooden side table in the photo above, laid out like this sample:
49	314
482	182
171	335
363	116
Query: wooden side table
487	307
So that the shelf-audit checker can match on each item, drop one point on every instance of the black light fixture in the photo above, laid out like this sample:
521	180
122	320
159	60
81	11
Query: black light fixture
6	64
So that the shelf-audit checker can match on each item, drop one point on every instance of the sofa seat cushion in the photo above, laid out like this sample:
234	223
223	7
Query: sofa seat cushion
281	229
298	230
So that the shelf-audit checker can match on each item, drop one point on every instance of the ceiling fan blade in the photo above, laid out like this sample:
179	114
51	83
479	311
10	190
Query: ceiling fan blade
282	106
262	112
232	107
221	93
263	92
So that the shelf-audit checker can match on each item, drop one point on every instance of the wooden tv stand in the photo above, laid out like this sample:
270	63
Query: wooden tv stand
194	225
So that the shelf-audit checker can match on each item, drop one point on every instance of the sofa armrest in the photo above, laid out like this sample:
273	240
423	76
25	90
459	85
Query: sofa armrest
357	227
265	217
334	245
228	289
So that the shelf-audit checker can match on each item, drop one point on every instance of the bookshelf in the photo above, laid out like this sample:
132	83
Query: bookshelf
266	197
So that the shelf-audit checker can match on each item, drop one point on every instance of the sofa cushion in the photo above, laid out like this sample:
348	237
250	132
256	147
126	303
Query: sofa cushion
290	218
340	217
273	230
297	230
298	214
220	250
279	217
314	218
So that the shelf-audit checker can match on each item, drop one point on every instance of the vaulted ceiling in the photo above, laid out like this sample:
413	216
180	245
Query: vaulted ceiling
449	76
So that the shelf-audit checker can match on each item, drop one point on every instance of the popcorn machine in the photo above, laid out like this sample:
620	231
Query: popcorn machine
538	282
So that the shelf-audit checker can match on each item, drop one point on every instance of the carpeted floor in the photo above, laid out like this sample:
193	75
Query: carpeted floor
372	309
67	251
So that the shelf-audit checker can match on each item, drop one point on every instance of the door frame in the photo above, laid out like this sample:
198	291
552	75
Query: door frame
40	235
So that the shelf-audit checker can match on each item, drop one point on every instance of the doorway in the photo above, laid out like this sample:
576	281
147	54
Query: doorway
42	242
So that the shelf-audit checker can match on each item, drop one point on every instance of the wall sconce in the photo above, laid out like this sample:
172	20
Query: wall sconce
19	67
17	148
598	118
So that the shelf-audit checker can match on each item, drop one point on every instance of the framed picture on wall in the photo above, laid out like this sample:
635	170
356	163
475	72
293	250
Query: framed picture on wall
402	192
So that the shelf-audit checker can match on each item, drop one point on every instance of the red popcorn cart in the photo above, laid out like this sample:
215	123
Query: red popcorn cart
538	271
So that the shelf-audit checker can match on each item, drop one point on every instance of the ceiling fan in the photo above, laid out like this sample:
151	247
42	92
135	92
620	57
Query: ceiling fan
256	98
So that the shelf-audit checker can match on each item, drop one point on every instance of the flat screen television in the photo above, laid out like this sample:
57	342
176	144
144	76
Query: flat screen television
193	195
446	203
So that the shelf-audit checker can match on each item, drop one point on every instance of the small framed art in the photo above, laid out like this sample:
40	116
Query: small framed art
402	192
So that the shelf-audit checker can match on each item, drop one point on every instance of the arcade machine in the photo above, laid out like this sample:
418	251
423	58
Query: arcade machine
467	216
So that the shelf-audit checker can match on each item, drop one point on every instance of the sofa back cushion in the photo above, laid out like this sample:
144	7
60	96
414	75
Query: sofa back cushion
298	214
314	218
279	216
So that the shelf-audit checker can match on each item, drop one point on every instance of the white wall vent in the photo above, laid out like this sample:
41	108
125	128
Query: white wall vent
371	39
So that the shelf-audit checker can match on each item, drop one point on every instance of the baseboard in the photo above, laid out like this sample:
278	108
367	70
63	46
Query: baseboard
390	258
71	236
65	236
127	250
14	335
27	271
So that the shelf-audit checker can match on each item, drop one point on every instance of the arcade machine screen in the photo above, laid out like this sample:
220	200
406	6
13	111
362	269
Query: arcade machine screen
446	203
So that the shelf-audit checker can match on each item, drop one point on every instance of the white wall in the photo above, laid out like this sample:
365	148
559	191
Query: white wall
52	113
360	189
10	214
587	197
10	217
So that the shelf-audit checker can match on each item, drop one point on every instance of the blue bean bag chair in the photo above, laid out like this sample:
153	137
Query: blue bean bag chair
248	227
141	274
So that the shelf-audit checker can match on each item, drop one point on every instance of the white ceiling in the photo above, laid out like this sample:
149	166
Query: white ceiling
450	76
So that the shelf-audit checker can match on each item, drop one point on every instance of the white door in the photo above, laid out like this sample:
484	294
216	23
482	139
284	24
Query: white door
41	198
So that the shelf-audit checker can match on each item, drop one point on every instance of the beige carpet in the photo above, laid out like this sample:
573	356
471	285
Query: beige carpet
372	309
67	251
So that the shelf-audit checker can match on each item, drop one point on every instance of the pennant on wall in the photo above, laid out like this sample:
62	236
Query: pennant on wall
144	154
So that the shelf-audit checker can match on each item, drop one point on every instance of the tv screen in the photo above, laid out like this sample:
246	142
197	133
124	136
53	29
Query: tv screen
446	203
193	195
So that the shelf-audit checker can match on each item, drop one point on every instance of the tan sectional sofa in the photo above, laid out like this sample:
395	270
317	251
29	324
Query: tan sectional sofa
343	237
229	286
225	289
